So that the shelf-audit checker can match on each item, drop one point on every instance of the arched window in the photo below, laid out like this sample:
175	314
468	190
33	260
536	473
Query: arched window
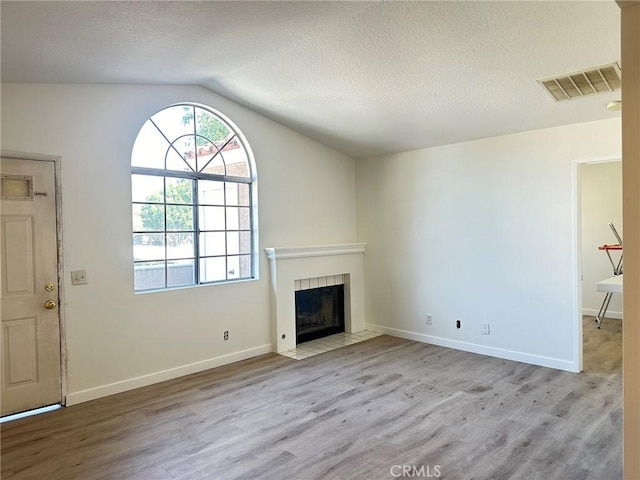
193	191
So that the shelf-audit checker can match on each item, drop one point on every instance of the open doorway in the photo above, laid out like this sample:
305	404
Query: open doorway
599	205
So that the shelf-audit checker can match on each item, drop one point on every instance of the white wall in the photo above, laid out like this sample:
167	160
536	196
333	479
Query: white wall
601	203
306	197
483	232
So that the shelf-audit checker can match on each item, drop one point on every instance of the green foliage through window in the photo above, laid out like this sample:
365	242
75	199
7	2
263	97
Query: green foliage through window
208	126
179	218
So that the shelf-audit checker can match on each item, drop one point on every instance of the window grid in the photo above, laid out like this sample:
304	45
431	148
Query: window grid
197	230
241	206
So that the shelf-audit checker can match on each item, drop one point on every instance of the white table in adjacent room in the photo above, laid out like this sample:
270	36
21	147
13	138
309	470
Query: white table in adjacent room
610	285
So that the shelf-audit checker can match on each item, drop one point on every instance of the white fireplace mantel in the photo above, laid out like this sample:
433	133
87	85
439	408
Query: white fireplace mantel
275	253
289	264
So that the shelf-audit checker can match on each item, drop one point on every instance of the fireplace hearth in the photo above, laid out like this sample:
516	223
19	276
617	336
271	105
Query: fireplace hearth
319	312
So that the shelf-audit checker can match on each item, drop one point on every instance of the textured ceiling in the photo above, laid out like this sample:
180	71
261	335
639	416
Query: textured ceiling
366	78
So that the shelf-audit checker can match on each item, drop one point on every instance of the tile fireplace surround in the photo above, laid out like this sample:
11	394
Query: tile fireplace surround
289	264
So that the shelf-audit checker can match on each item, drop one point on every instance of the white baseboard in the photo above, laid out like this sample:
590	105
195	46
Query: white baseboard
475	348
591	312
156	377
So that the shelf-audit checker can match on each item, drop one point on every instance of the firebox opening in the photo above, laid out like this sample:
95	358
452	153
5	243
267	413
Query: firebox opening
319	312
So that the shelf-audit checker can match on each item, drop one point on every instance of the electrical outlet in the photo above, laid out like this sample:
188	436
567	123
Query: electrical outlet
458	323
428	319
226	335
485	329
79	277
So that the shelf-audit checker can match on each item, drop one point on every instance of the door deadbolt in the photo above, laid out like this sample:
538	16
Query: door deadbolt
49	287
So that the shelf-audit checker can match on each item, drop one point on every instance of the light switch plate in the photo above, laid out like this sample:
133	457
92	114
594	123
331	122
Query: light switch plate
79	277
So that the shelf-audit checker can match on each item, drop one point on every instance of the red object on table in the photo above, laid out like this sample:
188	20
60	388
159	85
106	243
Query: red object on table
616	246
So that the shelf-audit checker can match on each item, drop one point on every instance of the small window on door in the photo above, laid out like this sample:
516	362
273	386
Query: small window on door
193	189
16	187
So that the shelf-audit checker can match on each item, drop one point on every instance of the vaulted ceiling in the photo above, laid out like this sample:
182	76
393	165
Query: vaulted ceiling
366	78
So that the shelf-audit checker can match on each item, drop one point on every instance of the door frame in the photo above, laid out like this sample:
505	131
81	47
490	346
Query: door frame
577	250
57	173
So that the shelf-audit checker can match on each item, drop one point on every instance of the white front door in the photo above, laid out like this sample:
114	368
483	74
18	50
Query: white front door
29	286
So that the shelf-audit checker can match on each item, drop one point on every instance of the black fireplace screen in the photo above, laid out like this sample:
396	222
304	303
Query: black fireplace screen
319	312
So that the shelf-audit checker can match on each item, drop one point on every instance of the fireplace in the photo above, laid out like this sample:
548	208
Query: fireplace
319	312
307	267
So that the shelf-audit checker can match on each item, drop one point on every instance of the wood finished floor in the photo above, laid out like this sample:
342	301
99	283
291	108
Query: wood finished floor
352	413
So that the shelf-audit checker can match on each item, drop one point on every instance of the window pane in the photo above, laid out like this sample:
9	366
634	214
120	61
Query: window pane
238	218
236	159
179	218
239	266
244	194
210	192
233	243
179	190
150	148
237	194
213	269
148	217
212	244
210	126
205	152
148	246
245	266
215	166
244	215
175	161
211	218
185	146
238	242
148	275
233	267
147	188
175	121
180	273
233	220
180	245
245	242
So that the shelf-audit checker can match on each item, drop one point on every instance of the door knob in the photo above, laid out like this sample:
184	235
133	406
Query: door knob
50	304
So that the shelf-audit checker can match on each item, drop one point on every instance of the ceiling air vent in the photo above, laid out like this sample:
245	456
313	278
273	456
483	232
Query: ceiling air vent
592	81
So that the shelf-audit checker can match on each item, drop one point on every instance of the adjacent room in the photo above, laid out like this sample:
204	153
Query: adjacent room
304	240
